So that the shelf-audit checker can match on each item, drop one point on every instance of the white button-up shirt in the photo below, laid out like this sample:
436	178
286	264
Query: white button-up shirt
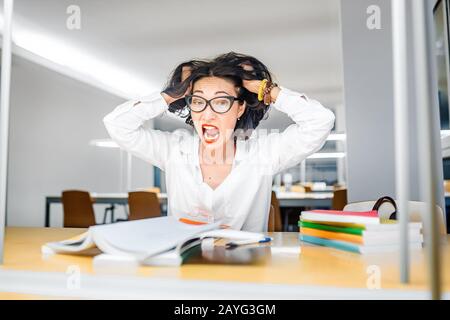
242	200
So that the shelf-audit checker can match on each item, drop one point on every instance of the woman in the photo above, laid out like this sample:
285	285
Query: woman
223	171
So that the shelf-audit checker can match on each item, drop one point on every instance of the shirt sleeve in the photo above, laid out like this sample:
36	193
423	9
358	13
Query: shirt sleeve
125	125
313	124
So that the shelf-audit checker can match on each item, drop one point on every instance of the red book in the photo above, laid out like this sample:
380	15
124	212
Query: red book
365	217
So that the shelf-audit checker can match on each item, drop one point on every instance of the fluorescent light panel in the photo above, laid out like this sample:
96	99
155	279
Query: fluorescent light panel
445	133
327	155
77	63
103	143
336	137
343	136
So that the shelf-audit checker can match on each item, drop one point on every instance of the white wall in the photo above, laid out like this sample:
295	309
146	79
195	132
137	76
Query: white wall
52	120
369	106
368	101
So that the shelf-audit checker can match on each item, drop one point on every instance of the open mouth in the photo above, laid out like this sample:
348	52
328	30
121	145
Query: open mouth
210	133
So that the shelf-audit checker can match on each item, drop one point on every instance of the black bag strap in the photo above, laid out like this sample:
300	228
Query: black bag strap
385	199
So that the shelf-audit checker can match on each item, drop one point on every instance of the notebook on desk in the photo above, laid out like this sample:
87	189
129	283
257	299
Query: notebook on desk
156	241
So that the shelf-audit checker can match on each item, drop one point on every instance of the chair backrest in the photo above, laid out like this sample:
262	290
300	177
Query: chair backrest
78	209
143	205
274	222
339	199
152	189
417	211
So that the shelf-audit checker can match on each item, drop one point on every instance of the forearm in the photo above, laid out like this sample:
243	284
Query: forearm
168	98
305	112
134	113
313	123
125	126
274	94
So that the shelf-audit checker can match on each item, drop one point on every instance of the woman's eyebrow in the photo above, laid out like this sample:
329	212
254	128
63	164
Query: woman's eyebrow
215	93
221	92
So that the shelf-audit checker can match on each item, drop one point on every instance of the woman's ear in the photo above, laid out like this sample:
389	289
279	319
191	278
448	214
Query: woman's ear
241	109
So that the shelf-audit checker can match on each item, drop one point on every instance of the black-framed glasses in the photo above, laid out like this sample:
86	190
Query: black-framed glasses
217	104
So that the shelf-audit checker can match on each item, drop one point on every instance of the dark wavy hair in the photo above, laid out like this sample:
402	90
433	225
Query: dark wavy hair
228	66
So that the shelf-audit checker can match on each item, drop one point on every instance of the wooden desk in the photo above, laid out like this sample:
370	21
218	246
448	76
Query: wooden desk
317	272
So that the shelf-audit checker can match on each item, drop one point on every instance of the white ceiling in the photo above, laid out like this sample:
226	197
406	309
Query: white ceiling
299	40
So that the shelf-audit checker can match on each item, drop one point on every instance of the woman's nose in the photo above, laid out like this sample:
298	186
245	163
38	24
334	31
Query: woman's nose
208	113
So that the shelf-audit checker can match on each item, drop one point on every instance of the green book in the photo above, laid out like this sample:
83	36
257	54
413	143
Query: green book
313	225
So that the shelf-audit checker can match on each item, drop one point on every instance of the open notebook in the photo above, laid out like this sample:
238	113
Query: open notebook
155	241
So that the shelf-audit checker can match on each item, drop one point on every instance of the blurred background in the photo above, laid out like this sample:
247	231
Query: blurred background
74	61
65	80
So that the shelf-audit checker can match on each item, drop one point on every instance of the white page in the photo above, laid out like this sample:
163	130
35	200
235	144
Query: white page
145	237
234	234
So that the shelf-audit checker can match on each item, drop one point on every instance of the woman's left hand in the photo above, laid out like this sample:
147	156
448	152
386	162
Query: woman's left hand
253	86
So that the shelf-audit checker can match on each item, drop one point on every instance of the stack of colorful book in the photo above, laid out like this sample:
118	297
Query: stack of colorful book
361	232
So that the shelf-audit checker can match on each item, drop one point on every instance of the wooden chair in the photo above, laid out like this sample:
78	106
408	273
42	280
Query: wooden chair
298	188
143	205
447	185
153	189
78	209
274	222
339	199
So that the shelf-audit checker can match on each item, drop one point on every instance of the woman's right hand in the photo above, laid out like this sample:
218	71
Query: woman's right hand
185	73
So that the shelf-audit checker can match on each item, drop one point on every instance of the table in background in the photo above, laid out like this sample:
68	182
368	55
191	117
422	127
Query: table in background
286	199
301	200
101	198
286	273
305	199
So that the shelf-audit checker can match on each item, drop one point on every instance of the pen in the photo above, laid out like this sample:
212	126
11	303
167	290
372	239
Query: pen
234	244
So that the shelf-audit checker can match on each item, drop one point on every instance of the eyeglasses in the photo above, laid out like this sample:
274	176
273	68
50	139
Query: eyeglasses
217	104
